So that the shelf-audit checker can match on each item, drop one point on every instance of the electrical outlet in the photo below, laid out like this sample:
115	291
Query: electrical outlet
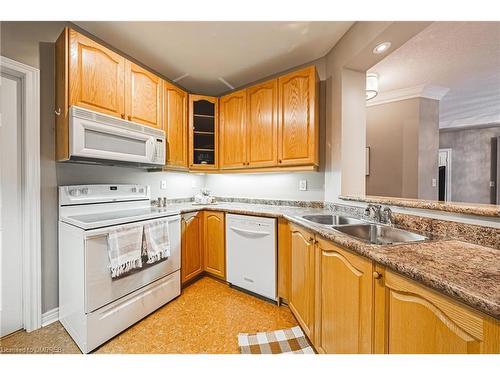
434	182
163	184
303	185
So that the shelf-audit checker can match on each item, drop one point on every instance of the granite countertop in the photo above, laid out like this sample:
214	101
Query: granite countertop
455	207
464	271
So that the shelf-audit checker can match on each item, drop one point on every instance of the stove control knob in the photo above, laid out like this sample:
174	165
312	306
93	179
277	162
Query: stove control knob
134	190
141	190
74	192
85	191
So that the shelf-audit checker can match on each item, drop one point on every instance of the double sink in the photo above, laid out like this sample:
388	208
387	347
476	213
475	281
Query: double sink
377	234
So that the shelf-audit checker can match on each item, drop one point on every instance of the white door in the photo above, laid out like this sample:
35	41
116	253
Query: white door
11	288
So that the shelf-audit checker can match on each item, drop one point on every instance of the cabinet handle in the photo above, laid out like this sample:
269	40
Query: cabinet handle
123	115
279	161
311	240
377	275
58	112
129	117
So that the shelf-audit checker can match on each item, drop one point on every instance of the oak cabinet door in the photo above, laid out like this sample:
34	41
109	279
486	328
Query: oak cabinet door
233	136
96	76
298	118
203	138
192	246
412	319
143	91
344	306
215	251
262	124
175	122
302	278
284	253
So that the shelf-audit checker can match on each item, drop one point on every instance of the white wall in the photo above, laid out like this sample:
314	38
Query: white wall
268	185
179	184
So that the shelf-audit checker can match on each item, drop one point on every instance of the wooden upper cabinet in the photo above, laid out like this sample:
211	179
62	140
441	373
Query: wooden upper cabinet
262	124
191	245
175	125
96	76
412	319
215	253
143	94
344	303
302	274
203	131
233	134
298	128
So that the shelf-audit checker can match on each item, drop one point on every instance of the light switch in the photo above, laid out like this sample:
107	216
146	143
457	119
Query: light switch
163	184
303	185
434	182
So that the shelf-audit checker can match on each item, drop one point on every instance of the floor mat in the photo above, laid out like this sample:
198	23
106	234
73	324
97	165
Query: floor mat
283	341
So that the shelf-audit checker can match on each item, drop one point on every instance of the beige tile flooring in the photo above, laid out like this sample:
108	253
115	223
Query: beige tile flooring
206	318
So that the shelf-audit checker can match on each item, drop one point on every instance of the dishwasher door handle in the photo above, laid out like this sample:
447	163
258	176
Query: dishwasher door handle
250	233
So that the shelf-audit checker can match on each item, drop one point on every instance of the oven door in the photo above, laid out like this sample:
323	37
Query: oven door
91	139
100	288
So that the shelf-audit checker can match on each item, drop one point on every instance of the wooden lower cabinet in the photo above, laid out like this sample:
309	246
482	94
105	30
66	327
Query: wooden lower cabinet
284	253
215	241
344	301
191	245
412	319
301	298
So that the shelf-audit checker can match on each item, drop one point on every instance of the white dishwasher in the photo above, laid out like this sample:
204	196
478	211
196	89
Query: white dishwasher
251	253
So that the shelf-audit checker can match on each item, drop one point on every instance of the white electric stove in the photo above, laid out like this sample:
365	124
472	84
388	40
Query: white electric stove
93	307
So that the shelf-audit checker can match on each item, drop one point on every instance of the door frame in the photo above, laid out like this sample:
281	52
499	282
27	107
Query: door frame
30	194
448	172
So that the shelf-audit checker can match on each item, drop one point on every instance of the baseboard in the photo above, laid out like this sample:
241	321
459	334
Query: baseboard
50	317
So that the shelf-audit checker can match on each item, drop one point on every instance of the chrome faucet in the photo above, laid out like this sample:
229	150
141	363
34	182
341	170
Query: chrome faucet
373	211
376	213
386	216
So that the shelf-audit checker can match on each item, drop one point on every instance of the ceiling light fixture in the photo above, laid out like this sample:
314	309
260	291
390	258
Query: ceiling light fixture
382	47
371	85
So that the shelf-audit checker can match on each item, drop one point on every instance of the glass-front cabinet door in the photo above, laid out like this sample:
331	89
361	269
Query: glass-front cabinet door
203	132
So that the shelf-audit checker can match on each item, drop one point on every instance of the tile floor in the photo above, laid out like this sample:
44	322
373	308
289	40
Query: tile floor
206	318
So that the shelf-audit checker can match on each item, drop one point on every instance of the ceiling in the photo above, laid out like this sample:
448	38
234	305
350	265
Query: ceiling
239	52
462	56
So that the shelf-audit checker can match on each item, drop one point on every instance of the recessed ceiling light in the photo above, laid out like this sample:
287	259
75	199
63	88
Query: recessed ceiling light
381	48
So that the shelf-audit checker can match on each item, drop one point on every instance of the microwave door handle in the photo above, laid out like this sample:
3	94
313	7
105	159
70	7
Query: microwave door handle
150	147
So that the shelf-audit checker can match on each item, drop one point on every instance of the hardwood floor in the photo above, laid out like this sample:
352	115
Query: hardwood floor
205	318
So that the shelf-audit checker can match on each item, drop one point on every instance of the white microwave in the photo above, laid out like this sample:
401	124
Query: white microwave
103	139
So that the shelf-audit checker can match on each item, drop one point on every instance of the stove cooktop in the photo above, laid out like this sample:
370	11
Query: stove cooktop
116	217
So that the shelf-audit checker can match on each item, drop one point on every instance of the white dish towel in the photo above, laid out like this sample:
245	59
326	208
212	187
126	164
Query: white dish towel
157	241
124	249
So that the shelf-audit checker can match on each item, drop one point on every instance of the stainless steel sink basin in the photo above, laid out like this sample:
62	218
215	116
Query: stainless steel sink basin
334	220
380	234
